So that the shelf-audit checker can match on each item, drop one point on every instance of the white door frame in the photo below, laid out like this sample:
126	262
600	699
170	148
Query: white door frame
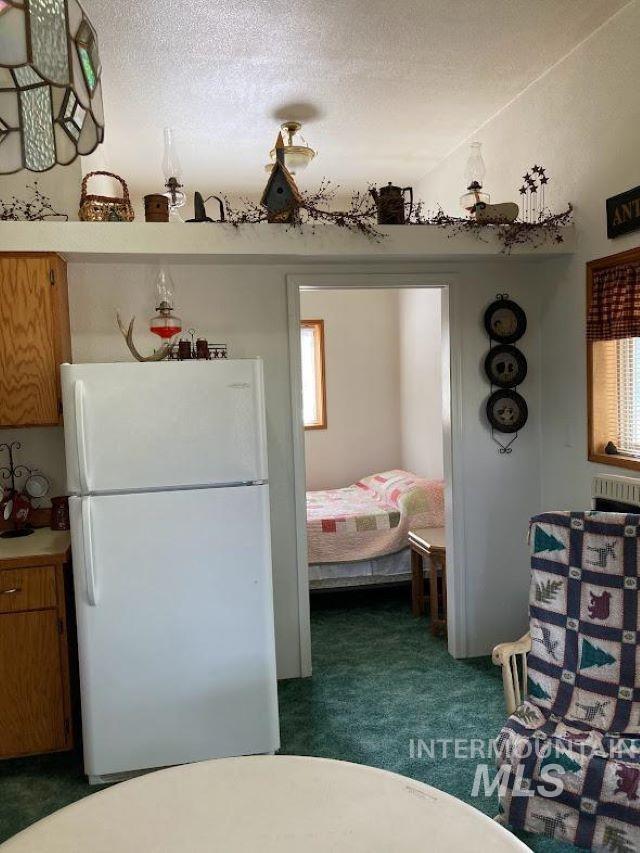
452	438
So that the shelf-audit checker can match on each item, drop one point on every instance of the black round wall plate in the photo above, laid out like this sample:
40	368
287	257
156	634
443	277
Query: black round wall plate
507	411
505	321
505	366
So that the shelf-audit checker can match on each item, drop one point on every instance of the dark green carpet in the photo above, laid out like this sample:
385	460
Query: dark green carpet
379	680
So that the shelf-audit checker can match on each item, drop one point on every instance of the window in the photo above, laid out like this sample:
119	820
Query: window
613	365
615	406
314	399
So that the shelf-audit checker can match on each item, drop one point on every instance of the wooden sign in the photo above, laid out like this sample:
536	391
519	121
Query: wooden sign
623	213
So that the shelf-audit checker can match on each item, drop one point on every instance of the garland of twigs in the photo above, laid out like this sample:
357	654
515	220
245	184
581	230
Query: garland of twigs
535	233
38	209
361	217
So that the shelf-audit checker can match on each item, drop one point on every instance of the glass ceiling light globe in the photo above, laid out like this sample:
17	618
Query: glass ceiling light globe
50	85
296	157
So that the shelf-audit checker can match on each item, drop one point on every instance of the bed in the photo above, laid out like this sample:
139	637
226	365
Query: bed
358	535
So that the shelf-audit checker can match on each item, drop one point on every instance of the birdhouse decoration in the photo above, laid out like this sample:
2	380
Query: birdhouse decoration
281	196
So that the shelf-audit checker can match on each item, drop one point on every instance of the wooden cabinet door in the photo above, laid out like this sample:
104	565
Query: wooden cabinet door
31	686
33	339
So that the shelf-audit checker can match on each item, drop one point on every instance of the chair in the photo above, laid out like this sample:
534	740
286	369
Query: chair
579	725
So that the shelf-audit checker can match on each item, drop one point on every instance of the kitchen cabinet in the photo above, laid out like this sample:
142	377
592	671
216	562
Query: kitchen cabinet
34	338
35	699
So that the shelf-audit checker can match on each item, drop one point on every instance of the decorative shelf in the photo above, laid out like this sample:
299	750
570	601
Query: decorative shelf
248	244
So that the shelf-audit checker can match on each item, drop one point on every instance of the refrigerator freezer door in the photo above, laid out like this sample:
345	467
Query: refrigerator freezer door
137	427
175	627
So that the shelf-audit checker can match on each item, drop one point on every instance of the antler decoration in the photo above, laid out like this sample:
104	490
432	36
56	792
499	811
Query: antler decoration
127	334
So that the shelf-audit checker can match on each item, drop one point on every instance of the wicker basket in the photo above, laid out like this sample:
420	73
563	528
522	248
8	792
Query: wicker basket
104	208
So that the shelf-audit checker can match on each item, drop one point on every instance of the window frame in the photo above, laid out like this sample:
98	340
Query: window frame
597	353
321	373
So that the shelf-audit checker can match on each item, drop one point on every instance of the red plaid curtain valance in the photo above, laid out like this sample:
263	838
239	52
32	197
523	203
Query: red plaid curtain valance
615	304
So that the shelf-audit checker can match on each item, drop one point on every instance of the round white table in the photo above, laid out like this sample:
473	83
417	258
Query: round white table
266	804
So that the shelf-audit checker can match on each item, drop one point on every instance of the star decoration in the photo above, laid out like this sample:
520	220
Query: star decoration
527	177
534	188
523	190
535	169
544	179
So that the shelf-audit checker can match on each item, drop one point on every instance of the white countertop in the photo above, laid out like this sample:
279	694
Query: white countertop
43	542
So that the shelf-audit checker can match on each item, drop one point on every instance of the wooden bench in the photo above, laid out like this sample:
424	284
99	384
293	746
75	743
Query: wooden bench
430	543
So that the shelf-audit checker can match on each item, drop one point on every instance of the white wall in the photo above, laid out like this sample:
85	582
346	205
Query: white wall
363	394
244	307
419	337
582	122
61	184
384	384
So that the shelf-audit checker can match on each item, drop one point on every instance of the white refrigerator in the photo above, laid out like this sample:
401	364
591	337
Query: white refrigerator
167	473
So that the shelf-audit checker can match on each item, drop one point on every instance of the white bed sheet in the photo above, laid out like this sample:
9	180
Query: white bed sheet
389	566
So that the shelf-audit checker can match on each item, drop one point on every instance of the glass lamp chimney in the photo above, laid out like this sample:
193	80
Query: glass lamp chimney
474	176
172	170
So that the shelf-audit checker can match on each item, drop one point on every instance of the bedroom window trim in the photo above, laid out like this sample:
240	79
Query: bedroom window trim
317	326
608	383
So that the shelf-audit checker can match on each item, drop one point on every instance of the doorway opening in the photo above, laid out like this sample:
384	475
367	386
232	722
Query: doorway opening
371	381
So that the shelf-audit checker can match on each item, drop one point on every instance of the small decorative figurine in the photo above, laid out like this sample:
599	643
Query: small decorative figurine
496	214
281	196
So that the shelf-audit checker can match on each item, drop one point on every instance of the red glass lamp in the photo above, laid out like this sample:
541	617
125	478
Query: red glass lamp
165	324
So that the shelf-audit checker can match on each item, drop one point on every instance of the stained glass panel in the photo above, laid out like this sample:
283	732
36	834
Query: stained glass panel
65	146
9	108
48	23
78	117
37	129
87	67
88	53
72	115
88	137
13	37
69	105
26	76
10	154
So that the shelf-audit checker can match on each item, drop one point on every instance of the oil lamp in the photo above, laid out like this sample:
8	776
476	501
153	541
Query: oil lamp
172	169
474	176
164	324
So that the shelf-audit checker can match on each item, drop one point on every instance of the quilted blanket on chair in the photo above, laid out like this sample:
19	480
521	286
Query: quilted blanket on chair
371	517
581	720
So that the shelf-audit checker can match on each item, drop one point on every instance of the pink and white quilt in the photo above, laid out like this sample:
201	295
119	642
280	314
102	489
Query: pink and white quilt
372	517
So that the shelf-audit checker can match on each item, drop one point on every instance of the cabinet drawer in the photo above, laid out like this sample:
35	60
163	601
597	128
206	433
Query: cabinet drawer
27	589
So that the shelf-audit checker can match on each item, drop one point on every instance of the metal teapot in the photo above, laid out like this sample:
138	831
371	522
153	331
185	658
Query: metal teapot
391	204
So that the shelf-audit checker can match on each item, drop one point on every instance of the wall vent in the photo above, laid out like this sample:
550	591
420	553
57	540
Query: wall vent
615	488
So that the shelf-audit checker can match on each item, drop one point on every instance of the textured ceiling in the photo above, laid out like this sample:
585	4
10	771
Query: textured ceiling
385	88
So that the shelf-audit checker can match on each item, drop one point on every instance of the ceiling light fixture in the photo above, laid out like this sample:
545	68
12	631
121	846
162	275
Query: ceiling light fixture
50	88
296	157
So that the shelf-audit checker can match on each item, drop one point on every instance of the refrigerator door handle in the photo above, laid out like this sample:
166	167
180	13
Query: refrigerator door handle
81	440
87	547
